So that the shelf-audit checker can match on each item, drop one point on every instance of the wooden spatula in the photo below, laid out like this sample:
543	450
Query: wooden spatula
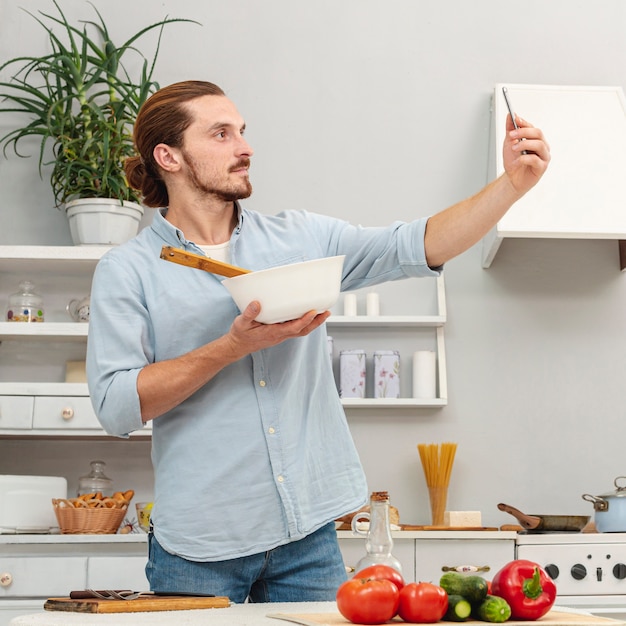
199	262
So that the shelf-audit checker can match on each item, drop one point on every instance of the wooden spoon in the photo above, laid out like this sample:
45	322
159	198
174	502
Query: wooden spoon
199	262
529	522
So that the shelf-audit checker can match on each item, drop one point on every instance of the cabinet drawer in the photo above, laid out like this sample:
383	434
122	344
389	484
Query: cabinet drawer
16	412
432	555
117	572
44	577
52	412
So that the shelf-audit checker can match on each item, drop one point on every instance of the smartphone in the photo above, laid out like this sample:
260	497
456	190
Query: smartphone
511	112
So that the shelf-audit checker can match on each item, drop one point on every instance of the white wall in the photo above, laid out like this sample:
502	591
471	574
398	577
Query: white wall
375	111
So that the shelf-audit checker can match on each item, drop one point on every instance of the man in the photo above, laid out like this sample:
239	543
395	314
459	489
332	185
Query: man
252	455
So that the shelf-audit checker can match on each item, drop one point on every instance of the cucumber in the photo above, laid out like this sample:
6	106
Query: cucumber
459	609
472	588
492	609
452	582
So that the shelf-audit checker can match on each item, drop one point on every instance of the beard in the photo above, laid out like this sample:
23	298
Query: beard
228	192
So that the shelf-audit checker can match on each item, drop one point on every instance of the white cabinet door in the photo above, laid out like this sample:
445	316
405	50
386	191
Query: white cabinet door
117	572
64	412
42	576
16	412
432	555
403	549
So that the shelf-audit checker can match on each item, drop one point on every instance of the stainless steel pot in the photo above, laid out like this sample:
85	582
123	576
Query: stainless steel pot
610	508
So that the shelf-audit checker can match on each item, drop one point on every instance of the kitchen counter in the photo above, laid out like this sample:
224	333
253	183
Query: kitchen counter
141	538
242	615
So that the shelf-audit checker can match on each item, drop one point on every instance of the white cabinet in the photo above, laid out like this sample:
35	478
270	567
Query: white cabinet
581	196
36	567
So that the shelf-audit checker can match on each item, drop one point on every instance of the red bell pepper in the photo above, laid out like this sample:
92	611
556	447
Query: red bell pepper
527	588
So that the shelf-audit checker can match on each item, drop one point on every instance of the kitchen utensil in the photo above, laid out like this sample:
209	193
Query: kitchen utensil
610	509
562	523
199	262
287	292
143	602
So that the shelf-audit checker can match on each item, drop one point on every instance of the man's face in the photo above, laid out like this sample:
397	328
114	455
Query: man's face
216	155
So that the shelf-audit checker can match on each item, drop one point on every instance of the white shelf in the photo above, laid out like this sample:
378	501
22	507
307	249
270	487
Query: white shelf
392	403
80	261
384	321
66	331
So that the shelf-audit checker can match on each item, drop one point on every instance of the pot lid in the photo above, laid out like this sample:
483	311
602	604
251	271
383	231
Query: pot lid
620	489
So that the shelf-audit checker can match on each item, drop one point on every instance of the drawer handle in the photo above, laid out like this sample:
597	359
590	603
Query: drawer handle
465	568
5	579
67	413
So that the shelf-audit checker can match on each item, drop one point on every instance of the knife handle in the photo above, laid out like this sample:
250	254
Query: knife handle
86	594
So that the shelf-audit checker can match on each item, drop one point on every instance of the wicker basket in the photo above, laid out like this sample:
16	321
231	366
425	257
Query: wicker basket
86	521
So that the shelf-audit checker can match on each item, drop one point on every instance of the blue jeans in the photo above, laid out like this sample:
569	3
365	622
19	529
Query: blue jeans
308	570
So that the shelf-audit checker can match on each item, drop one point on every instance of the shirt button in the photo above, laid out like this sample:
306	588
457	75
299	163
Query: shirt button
280	479
271	430
262	383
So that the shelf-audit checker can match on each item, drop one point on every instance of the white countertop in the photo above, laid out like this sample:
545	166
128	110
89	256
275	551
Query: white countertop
235	615
51	539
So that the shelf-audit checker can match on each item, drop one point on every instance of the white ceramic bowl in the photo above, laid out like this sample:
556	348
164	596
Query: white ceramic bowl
287	292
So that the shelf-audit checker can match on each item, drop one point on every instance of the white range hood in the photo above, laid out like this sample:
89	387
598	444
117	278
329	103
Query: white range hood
583	193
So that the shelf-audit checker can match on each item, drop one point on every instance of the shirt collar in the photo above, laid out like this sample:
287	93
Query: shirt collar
174	236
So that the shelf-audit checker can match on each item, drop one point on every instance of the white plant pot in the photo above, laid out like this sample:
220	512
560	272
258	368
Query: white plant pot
102	221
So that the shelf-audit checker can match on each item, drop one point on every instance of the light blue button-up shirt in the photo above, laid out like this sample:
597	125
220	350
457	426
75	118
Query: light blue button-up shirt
262	454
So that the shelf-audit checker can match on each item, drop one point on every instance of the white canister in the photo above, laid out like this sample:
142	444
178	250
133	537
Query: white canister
352	372
349	305
424	374
386	374
372	304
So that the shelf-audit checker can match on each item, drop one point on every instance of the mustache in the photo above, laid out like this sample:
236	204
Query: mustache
245	162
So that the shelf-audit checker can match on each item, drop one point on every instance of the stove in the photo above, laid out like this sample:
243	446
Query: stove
589	569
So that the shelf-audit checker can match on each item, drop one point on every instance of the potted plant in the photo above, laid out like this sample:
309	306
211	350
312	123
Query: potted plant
81	101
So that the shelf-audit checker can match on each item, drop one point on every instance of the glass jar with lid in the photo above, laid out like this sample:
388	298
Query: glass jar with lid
25	305
96	481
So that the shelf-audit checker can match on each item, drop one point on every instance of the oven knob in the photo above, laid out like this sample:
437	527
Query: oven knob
578	571
619	571
552	570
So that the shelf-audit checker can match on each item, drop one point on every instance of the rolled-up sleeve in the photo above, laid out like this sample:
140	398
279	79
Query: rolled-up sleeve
118	346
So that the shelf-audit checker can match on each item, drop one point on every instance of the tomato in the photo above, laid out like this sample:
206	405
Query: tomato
422	603
382	572
368	601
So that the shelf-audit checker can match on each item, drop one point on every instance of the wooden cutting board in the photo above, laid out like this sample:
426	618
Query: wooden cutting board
147	603
553	618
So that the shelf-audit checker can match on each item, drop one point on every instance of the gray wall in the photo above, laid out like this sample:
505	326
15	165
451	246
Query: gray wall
375	111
